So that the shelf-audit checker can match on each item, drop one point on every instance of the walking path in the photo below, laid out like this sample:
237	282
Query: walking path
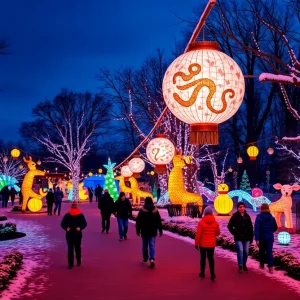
113	270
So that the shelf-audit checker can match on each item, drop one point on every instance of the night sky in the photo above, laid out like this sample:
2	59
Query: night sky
62	44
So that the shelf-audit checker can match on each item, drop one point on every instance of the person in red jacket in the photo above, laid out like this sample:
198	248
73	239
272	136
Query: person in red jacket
207	231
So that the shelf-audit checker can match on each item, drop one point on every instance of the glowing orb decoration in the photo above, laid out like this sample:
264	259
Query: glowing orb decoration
160	151
136	165
5	159
152	173
239	160
100	171
253	152
35	205
284	238
15	153
203	87
223	204
38	162
270	151
257	192
126	172
90	174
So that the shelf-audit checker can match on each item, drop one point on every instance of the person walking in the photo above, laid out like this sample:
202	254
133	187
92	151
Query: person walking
73	223
58	196
90	194
20	198
123	210
5	196
148	222
98	192
205	241
240	226
50	201
106	206
264	228
12	194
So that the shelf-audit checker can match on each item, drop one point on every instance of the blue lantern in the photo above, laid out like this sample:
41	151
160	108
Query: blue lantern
284	238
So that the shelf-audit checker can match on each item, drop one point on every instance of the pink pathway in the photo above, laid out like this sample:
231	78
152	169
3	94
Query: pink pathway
113	269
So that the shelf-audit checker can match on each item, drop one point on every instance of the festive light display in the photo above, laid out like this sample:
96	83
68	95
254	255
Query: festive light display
245	184
152	173
137	194
35	204
284	238
270	151
9	181
176	188
209	194
230	170
126	172
110	184
239	160
154	192
5	159
123	187
38	162
15	153
82	191
253	152
160	151
28	182
203	87
90	174
223	204
257	192
136	166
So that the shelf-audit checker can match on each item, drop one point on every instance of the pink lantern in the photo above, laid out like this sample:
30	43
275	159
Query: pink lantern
136	166
126	172
257	192
239	160
270	151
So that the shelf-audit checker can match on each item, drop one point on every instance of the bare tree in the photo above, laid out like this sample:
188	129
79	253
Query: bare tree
67	127
11	167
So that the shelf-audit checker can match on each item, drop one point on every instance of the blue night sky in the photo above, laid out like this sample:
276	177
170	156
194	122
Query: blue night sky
62	44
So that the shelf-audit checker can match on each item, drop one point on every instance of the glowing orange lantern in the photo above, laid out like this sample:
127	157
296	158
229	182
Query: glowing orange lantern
270	151
35	205
15	153
136	166
100	171
160	151
253	152
126	172
203	87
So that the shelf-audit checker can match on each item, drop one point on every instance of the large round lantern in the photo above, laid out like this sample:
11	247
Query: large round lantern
160	151
126	172
5	159
253	152
136	166
284	238
35	205
15	153
203	87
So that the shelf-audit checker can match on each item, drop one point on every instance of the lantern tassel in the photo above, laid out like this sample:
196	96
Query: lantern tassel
204	134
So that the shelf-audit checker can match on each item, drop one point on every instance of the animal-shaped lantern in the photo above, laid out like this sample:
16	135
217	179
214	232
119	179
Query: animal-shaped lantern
176	188
123	187
223	203
137	194
28	182
284	205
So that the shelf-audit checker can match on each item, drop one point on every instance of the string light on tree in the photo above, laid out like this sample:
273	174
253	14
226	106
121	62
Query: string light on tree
38	162
110	184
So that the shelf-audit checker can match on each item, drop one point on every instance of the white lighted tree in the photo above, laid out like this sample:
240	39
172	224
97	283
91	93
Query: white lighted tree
67	127
11	167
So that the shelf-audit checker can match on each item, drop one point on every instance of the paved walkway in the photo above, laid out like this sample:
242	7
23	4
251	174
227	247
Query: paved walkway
113	270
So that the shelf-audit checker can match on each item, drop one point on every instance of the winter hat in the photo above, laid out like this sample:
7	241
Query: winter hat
74	205
240	204
265	207
207	211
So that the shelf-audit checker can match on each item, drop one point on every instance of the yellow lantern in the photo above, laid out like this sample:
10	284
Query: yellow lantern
15	153
203	87
90	174
100	171
152	173
35	205
252	151
136	166
126	172
223	204
160	151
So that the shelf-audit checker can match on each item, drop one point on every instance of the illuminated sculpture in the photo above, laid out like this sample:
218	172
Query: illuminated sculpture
9	181
15	153
110	184
82	191
284	205
223	204
160	151
123	187
27	191
126	172
137	194
284	238
176	188
136	166
35	205
253	152
257	192
203	87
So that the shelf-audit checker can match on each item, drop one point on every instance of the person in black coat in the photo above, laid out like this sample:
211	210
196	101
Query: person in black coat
73	223
50	201
12	194
90	194
123	210
106	206
5	196
240	226
148	222
20	198
58	197
98	192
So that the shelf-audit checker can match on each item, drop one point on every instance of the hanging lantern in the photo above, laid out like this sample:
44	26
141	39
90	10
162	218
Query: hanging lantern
136	166
160	151
270	151
126	172
39	162
152	173
252	152
20	167
230	170
203	87
5	159
15	153
90	174
100	171
239	160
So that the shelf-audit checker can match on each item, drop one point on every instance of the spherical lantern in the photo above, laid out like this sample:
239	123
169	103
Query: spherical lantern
230	170
284	238
136	166
160	151
239	160
39	162
253	152
15	153
203	87
5	159
90	174
270	151
257	192
100	171
35	205
126	172
223	204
